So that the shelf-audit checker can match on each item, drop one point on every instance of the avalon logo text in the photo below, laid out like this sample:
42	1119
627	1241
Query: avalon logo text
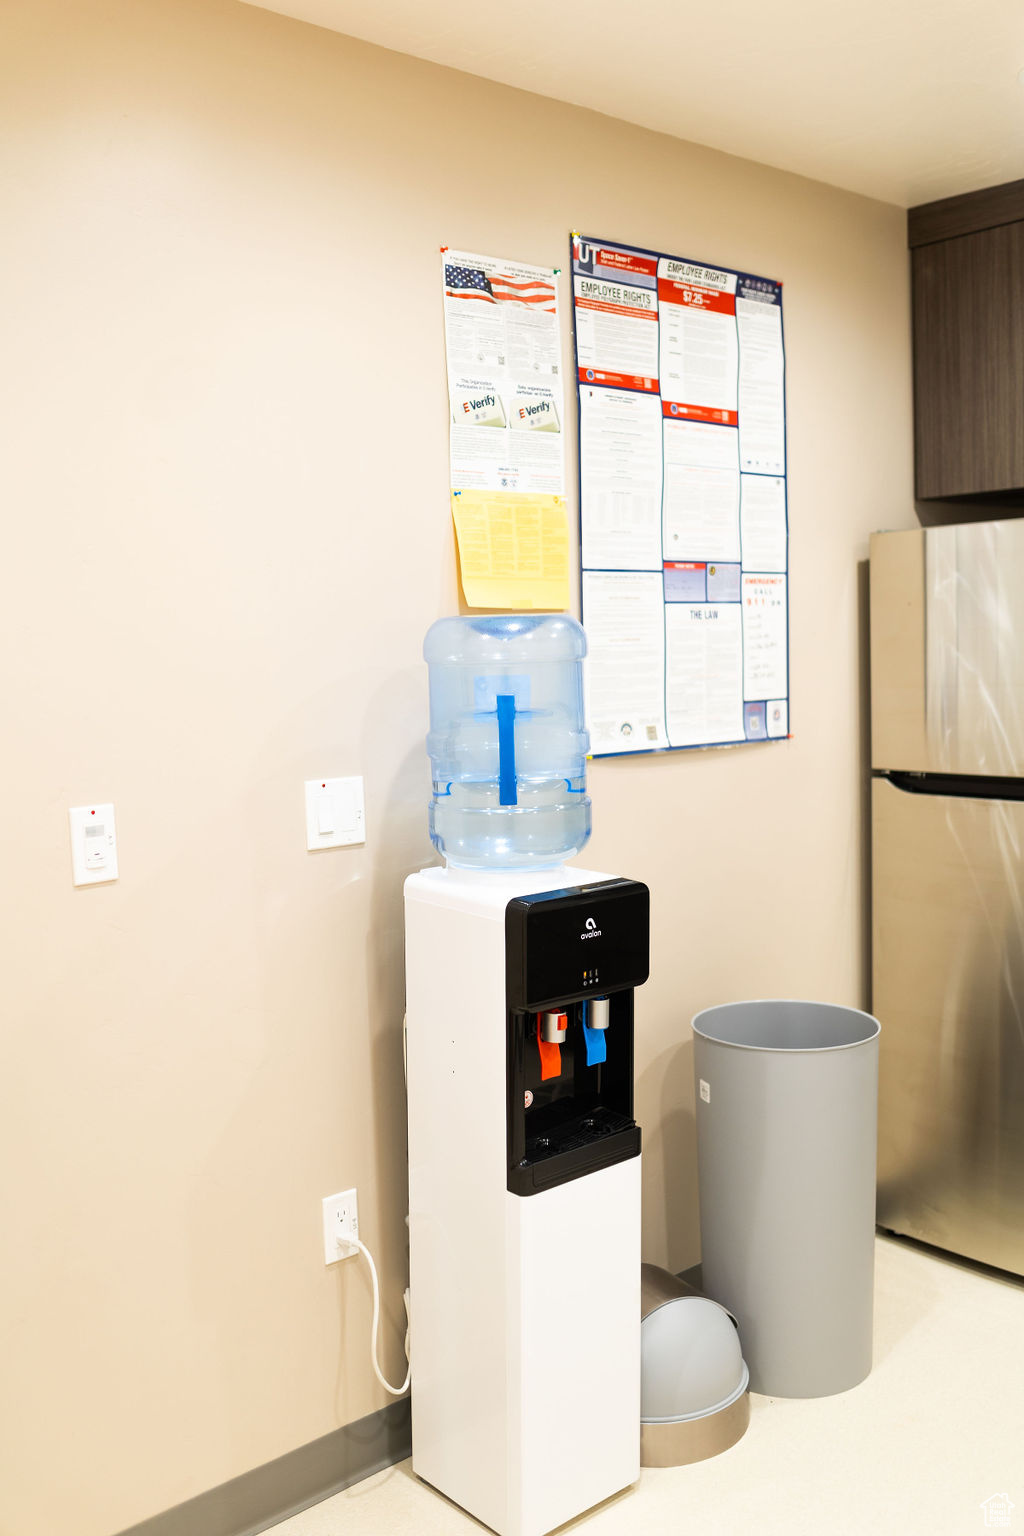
593	931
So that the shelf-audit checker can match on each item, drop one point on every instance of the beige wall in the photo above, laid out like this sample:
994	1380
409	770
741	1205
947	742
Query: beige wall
219	266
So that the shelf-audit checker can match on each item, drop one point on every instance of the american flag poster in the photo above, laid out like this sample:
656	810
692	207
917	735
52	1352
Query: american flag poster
505	365
500	287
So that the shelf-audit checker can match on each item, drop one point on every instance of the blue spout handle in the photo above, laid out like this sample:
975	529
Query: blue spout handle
507	749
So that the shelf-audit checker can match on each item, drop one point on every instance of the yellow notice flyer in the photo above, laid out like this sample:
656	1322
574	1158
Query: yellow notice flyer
513	549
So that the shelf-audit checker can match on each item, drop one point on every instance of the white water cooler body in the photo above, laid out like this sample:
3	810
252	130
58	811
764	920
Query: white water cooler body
524	1189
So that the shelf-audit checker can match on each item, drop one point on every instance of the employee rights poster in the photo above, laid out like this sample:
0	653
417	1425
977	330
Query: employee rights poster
507	460
683	519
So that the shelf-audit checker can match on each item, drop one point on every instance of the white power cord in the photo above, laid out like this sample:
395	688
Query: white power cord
348	1242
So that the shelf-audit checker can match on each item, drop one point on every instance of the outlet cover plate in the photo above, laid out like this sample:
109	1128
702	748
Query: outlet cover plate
341	1217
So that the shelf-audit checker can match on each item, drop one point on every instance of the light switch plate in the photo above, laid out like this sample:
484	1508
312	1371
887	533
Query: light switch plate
93	844
334	813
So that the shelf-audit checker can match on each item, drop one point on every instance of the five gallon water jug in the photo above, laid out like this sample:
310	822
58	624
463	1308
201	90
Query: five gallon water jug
507	741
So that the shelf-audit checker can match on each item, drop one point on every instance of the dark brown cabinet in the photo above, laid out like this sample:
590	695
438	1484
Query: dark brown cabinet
967	265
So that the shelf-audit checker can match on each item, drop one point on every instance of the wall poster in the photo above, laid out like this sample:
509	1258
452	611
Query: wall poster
683	522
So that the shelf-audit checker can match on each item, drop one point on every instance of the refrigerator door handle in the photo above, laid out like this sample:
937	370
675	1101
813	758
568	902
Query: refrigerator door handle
966	786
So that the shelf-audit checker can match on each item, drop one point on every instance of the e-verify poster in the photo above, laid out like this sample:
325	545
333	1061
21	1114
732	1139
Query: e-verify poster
507	405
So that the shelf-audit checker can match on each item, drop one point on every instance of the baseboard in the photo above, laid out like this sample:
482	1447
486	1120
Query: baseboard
293	1482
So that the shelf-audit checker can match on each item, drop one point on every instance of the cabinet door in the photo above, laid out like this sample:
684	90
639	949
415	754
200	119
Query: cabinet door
969	363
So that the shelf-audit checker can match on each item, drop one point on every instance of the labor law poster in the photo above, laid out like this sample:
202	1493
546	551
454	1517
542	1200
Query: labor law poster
683	514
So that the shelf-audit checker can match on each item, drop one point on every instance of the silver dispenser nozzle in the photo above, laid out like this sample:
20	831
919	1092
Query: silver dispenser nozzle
553	1027
598	1010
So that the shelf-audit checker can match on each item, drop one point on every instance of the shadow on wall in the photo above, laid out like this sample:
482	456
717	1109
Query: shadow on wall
864	752
401	846
673	1228
242	1131
933	514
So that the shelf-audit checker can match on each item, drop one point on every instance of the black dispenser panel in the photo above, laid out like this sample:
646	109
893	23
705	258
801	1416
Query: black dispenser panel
573	958
577	943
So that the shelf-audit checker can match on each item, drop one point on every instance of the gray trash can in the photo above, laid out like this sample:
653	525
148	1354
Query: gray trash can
787	1104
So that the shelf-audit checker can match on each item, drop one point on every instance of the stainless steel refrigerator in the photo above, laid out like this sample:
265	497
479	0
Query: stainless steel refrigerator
947	751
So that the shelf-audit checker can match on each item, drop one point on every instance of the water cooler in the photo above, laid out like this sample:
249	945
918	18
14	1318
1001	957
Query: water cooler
524	1157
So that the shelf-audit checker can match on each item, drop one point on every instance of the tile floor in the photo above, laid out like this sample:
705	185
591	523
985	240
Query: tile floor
936	1430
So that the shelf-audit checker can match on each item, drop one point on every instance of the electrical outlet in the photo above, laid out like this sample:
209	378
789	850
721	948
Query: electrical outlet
341	1220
